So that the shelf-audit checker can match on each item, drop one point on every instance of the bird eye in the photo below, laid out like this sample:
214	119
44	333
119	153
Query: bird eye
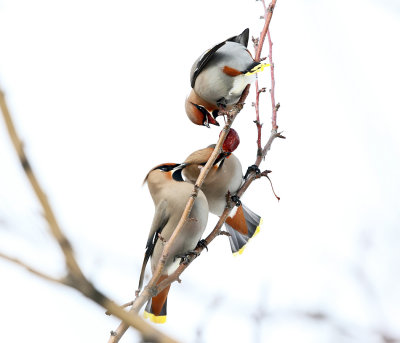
164	169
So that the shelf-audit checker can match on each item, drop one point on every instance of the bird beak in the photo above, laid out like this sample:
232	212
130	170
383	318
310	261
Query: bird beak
211	120
208	118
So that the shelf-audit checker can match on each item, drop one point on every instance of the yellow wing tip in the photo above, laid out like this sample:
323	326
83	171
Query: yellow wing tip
258	68
240	251
154	318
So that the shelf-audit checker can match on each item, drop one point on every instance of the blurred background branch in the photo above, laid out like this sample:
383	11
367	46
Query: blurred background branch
74	277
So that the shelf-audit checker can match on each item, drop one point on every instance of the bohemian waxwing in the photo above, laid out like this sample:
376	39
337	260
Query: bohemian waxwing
225	176
170	195
218	78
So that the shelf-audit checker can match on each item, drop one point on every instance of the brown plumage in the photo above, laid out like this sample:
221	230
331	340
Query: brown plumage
170	195
224	178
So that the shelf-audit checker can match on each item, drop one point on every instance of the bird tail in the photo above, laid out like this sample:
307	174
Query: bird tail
156	308
244	225
243	38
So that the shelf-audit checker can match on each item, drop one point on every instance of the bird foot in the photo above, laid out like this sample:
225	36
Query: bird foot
202	243
185	257
236	200
221	103
252	168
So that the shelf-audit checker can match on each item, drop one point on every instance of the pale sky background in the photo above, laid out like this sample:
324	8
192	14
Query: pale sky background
97	91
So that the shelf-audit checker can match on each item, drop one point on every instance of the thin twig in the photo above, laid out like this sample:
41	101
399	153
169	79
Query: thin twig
272	90
130	303
31	269
257	121
268	15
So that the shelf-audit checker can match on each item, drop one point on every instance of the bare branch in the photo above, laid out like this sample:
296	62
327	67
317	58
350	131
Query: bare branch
55	229
257	121
130	303
75	278
268	15
272	91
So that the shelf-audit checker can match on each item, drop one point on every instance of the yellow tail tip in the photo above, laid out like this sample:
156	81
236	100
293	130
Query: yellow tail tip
154	318
258	68
240	251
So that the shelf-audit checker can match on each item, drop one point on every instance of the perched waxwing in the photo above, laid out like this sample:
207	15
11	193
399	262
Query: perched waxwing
224	179
170	195
218	78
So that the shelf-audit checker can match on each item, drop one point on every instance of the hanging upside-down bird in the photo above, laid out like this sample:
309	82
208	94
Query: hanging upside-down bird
218	78
224	179
170	195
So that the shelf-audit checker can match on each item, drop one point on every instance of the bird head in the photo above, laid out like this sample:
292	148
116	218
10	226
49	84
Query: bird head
198	111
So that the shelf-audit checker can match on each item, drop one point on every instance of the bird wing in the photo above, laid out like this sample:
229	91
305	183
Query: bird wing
204	59
159	221
243	39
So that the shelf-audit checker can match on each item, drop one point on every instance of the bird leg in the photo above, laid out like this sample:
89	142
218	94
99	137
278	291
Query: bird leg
233	198
202	243
236	200
221	103
185	257
222	111
252	168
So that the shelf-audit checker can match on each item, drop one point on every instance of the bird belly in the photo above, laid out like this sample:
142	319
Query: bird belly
212	85
228	179
186	241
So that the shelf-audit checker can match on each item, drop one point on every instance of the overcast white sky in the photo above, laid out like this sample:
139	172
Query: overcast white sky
97	91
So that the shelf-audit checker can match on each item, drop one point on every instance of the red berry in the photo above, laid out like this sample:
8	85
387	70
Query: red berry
231	142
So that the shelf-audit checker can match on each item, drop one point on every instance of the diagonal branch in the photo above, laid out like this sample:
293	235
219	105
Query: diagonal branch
55	229
75	277
134	320
152	288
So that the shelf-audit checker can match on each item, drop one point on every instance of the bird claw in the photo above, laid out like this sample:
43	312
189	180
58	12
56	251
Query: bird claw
252	168
221	103
185	257
236	200
202	243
